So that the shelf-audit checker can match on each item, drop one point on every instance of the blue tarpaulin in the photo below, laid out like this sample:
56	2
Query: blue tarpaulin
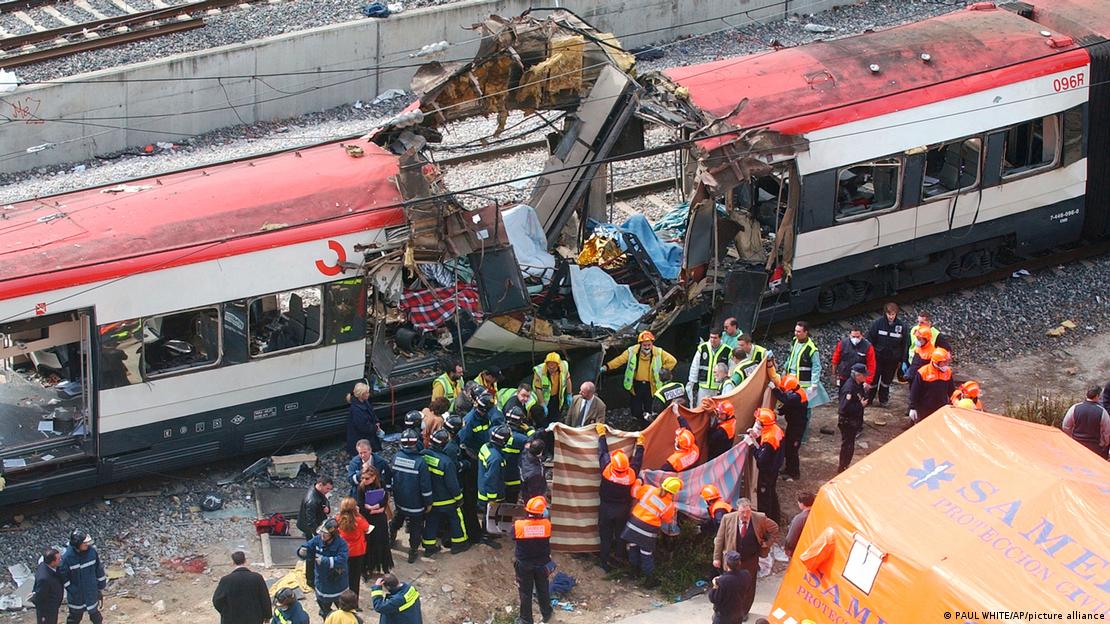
601	300
666	256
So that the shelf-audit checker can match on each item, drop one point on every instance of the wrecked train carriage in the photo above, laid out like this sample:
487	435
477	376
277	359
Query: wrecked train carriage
602	284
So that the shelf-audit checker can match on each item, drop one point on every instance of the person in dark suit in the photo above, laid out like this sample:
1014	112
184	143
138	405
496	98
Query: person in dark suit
728	590
241	596
48	591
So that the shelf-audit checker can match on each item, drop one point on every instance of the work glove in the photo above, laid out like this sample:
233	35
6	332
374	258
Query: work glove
319	559
771	385
913	415
600	429
601	370
640	439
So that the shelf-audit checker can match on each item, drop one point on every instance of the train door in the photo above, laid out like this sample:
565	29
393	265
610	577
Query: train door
950	171
47	411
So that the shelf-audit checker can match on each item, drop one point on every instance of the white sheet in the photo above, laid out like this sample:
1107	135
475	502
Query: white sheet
529	241
602	301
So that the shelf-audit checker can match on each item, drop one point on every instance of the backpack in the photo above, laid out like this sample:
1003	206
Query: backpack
276	524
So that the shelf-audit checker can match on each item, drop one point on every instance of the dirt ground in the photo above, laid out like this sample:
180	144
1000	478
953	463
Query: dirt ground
477	585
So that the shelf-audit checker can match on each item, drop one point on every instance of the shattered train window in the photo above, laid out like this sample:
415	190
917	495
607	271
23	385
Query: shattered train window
951	166
1031	145
867	188
282	321
181	341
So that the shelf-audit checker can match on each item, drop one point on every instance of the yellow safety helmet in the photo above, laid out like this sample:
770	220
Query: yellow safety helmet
672	485
645	335
551	357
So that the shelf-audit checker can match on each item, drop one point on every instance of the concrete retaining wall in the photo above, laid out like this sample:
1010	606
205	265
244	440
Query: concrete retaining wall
84	119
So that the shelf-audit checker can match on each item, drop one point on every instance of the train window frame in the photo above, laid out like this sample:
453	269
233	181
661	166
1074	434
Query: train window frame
898	161
148	375
978	169
1018	172
251	355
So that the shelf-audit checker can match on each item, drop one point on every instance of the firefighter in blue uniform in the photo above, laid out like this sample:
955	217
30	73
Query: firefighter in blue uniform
521	434
84	578
397	602
533	558
329	551
446	496
468	477
412	490
491	478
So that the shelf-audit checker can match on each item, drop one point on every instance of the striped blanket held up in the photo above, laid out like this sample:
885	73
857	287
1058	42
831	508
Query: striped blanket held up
577	472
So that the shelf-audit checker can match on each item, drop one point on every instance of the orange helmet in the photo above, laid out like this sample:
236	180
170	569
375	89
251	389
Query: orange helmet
536	505
789	383
970	389
645	335
939	355
765	416
619	461
924	332
710	493
684	439
726	410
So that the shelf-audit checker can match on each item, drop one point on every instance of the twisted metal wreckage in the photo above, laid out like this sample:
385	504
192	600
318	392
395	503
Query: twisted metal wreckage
561	63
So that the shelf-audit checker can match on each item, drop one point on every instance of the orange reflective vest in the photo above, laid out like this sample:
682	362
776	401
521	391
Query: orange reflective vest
931	373
729	427
653	506
772	435
681	460
532	528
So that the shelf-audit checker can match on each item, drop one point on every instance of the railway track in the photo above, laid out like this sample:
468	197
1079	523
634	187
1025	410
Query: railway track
47	40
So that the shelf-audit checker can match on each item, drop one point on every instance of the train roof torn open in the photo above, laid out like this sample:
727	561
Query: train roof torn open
596	281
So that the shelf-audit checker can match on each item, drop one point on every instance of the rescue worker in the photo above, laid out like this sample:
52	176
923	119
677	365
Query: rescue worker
365	456
715	505
449	384
889	337
552	383
520	433
329	552
446	497
83	577
491	479
702	384
521	396
732	333
804	362
468	477
793	407
769	458
934	337
465	401
921	352
1088	423
532	559
669	391
654	507
641	372
396	602
686	451
748	358
287	609
722	430
488	379
415	420
853	398
412	491
968	390
618	475
932	386
855	349
476	426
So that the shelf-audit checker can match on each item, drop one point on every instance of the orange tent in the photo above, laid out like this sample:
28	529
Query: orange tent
965	513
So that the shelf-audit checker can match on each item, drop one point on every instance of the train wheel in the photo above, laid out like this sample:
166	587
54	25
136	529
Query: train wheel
972	263
841	295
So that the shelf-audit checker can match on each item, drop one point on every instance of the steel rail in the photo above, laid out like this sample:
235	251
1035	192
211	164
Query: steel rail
104	41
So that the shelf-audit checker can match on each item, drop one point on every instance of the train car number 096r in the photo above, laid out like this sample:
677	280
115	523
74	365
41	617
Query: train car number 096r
1067	83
